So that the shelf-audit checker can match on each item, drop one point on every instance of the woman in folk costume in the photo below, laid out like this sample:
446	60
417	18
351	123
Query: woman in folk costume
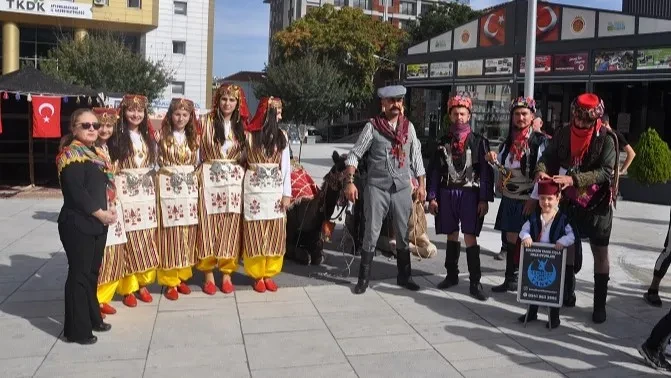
178	197
134	150
222	151
112	268
267	194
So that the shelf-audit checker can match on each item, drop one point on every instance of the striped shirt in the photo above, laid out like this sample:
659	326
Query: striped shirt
366	139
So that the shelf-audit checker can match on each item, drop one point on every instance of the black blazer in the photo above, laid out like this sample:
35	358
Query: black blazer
84	188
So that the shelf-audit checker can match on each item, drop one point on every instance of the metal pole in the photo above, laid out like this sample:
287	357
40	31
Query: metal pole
530	67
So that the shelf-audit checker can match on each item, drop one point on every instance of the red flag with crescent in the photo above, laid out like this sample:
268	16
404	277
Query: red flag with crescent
46	117
547	22
493	28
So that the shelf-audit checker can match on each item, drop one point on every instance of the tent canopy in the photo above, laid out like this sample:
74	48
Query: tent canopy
31	80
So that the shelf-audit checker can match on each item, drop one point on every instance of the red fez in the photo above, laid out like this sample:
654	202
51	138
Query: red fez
548	188
587	106
588	100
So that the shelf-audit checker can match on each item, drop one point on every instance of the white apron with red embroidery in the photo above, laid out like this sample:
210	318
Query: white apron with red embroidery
222	186
116	233
137	193
263	192
178	196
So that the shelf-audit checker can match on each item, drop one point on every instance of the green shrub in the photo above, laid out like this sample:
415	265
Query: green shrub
652	164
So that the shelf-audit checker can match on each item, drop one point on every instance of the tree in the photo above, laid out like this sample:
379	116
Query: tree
348	38
439	19
653	160
103	62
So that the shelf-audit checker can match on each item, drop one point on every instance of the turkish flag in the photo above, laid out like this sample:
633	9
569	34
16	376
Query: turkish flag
46	117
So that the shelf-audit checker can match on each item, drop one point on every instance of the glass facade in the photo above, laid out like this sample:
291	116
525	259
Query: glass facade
490	109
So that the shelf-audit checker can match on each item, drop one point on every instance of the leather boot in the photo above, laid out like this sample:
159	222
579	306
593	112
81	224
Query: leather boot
404	277
600	294
569	287
452	252
473	260
553	321
510	281
531	315
364	272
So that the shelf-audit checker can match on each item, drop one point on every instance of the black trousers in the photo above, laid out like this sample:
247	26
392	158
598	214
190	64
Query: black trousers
85	254
664	259
660	334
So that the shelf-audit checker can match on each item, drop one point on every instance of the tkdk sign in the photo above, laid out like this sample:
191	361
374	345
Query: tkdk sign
48	8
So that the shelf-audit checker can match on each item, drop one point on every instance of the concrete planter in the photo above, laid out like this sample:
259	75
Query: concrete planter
631	190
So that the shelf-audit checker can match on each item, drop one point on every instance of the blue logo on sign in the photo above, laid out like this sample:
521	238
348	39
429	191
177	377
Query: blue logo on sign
539	276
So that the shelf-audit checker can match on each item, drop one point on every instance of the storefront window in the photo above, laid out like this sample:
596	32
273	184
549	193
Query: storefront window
490	110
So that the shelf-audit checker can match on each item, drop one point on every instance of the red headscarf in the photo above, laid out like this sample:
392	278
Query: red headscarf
587	107
236	92
259	119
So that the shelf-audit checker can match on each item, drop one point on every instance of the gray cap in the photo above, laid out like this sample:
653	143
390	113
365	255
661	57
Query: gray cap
391	91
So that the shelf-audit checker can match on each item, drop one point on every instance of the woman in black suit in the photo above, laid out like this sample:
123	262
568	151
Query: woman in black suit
85	178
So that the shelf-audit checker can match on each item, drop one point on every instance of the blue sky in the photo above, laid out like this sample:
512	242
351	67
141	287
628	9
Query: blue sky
241	31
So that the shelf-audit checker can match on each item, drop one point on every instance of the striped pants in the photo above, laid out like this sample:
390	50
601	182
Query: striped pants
664	259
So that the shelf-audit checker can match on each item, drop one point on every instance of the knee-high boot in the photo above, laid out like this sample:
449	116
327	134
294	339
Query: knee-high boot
364	272
600	294
404	278
510	281
569	287
473	260
531	315
452	252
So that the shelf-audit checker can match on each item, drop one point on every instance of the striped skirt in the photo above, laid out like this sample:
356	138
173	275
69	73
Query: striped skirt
112	268
264	237
141	251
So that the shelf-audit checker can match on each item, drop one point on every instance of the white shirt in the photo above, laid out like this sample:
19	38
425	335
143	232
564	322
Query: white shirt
285	166
227	143
138	142
566	240
180	136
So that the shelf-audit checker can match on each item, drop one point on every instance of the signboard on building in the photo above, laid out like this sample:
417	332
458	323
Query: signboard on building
493	28
547	22
613	24
420	48
541	278
578	23
543	64
417	71
442	42
571	62
469	68
441	69
655	59
613	61
653	25
52	8
500	66
466	36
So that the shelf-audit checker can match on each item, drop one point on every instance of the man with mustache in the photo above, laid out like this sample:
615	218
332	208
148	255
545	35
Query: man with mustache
393	157
460	187
583	158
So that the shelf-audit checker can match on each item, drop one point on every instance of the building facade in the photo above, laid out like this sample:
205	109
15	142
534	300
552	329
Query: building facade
177	32
650	8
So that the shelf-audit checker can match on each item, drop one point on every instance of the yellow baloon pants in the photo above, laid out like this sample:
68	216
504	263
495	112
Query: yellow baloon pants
134	282
263	266
105	292
173	277
226	266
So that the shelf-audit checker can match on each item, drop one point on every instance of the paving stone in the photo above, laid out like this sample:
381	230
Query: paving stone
37	296
292	349
348	324
86	369
263	310
224	304
237	370
289	294
195	328
416	364
321	371
458	330
467	355
29	310
531	370
383	344
28	337
22	367
286	324
217	358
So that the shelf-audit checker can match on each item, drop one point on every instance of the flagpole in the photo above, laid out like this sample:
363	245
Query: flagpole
530	66
31	157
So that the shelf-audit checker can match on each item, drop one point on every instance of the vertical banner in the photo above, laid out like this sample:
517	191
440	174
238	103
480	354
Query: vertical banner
46	117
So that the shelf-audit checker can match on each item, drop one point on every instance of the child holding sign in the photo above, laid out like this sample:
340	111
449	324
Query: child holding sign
548	226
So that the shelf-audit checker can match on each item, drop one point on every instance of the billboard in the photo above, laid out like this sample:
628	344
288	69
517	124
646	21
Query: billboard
466	36
469	68
654	59
442	42
613	61
441	69
417	71
614	24
578	24
543	64
547	23
493	28
499	66
571	62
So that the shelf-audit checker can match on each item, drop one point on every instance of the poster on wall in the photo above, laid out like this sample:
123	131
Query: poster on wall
654	59
547	23
499	66
578	23
417	71
441	69
466	36
614	24
543	64
613	61
493	28
469	68
442	42
571	62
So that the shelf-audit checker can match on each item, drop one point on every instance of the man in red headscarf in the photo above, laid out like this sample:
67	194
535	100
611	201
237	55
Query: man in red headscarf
583	159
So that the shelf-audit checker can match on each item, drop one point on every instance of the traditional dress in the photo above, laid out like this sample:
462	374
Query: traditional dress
136	187
178	199
459	179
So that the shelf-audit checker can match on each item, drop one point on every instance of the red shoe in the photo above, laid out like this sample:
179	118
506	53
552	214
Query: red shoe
270	285
171	294
209	288
183	288
260	286
130	300
144	295
107	309
227	287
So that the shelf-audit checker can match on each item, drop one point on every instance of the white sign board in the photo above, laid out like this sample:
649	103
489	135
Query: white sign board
52	8
653	25
441	69
466	36
469	68
419	48
613	24
442	42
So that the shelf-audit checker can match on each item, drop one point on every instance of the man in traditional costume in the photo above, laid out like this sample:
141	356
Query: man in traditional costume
394	157
583	159
266	195
460	189
661	267
222	151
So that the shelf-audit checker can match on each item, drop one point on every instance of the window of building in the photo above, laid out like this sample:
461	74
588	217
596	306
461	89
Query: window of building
178	47
363	4
178	87
134	3
339	3
180	7
408	8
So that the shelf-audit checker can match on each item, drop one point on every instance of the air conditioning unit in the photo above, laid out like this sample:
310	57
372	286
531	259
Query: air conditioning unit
100	2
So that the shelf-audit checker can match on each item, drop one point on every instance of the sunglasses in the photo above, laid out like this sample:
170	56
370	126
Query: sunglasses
88	125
